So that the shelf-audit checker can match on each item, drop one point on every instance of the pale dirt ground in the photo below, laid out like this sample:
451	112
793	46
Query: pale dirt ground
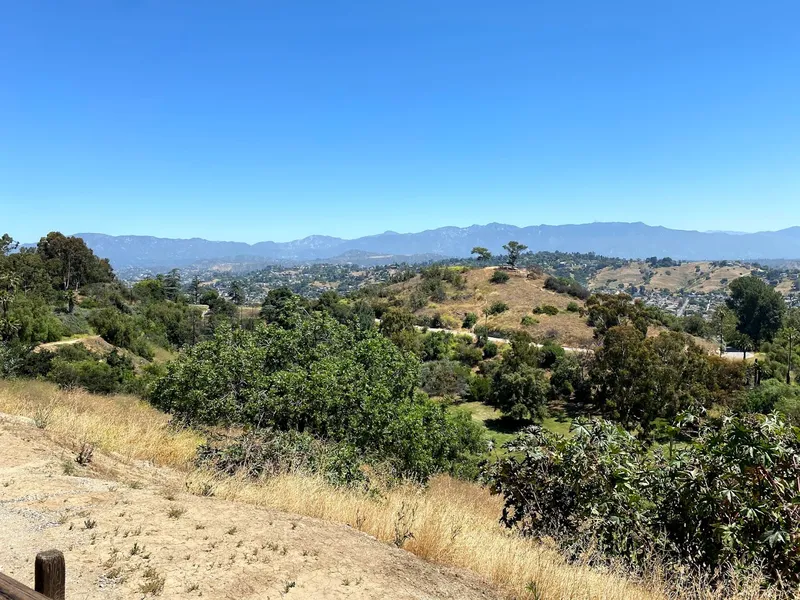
215	549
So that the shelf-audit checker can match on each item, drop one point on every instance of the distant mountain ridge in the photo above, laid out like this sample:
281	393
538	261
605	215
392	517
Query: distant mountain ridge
626	240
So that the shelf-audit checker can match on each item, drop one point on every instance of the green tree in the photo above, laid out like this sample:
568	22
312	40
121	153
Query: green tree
611	310
237	293
195	289
758	308
7	244
482	254
71	263
172	284
321	378
281	306
514	250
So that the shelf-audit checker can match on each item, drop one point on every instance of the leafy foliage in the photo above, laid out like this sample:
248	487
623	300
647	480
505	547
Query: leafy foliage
319	377
563	285
728	497
758	307
499	277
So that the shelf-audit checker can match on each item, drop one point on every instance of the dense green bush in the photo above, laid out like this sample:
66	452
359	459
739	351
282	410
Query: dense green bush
499	277
563	285
496	308
320	377
470	319
467	353
120	329
444	377
490	349
727	498
545	309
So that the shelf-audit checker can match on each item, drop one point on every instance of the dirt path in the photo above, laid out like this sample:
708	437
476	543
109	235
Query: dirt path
130	531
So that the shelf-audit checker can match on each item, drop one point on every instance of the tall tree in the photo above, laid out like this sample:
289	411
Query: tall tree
758	307
7	244
237	293
172	284
72	263
514	250
483	254
195	289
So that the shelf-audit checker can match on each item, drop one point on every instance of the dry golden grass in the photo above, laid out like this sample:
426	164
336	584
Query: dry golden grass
686	276
521	295
455	523
123	425
450	522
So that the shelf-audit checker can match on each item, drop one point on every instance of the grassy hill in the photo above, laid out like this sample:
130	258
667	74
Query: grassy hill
523	292
688	276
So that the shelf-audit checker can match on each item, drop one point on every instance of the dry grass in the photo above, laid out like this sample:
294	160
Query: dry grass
521	295
686	276
454	523
123	425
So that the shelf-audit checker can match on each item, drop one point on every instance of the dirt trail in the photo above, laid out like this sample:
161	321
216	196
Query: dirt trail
124	527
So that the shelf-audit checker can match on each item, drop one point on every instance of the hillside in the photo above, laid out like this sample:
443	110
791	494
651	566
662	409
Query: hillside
688	276
185	550
140	521
521	293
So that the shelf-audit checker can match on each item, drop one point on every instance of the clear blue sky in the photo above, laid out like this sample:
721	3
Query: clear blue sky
279	119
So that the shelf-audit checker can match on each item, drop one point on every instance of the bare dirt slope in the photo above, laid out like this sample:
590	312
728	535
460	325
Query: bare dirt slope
129	531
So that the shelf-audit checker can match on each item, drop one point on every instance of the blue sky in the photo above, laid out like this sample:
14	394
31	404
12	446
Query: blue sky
279	119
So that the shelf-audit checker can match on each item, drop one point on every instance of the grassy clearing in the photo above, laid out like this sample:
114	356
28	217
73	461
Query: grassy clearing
502	429
123	425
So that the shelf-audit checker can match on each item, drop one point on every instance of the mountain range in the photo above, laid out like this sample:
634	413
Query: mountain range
626	240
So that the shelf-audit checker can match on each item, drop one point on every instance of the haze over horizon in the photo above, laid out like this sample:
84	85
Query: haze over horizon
255	122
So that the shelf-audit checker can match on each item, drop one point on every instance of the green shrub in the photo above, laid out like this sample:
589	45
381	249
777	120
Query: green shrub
444	377
726	498
529	321
549	353
467	353
496	308
470	319
564	285
490	350
545	309
93	376
573	307
499	277
480	388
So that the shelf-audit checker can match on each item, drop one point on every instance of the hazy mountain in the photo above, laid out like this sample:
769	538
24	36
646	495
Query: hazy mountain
629	240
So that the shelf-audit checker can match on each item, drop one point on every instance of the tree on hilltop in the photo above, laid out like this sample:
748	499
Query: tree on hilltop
514	249
483	254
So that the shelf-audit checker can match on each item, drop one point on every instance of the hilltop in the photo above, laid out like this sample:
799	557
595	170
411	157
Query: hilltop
523	293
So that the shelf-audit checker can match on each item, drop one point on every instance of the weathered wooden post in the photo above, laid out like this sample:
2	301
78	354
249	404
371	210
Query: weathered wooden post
50	574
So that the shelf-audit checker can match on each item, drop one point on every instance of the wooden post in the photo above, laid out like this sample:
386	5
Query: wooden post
50	574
